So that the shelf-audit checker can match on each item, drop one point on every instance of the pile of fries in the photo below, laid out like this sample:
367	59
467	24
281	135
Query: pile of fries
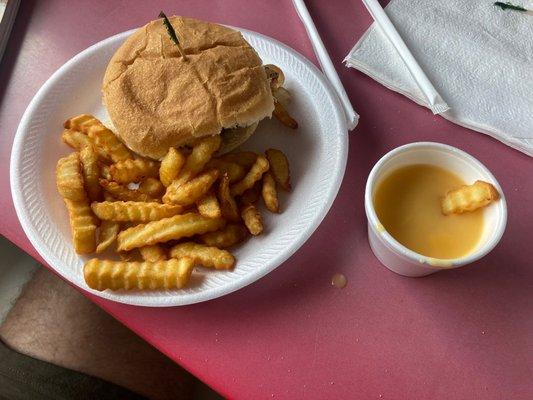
164	218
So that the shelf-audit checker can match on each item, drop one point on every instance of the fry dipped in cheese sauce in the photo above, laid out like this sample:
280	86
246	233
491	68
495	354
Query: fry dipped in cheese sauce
416	207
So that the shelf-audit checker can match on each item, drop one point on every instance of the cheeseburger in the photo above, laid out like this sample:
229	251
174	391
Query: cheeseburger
161	94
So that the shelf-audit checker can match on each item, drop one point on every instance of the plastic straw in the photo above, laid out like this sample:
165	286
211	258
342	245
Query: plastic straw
325	63
435	101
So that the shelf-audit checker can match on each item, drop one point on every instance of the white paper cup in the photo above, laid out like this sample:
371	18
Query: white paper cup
399	258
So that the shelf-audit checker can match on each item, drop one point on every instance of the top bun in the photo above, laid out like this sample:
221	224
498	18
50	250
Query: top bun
156	99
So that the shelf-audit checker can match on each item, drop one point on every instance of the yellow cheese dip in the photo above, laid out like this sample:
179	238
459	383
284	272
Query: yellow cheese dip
407	203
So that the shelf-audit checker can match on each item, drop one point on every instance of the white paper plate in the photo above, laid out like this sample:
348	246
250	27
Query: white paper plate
317	152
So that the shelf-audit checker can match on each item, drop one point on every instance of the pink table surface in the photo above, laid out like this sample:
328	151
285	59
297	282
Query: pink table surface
460	334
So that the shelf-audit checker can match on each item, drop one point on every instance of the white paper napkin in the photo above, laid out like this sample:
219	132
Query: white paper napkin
478	57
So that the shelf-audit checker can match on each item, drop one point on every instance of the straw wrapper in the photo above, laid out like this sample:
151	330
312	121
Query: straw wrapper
352	118
434	100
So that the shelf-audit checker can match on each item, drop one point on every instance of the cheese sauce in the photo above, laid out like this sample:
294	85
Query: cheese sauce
407	203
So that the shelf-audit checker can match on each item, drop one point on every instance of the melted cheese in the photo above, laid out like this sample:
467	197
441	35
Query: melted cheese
407	203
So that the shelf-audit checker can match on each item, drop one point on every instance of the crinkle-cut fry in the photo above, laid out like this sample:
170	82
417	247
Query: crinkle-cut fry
256	172
123	193
131	211
469	198
101	137
189	192
79	121
75	139
269	193
228	206
283	116
153	253
202	152
107	235
252	219
206	256
171	165
166	229
134	170
107	141
114	275
235	171
152	187
244	158
78	140
69	178
91	172
279	167
82	226
228	236
208	206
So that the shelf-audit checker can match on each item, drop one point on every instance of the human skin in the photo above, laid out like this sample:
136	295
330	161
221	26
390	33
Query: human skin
53	322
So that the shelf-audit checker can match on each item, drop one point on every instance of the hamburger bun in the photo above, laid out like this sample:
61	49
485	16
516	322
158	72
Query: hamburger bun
157	99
